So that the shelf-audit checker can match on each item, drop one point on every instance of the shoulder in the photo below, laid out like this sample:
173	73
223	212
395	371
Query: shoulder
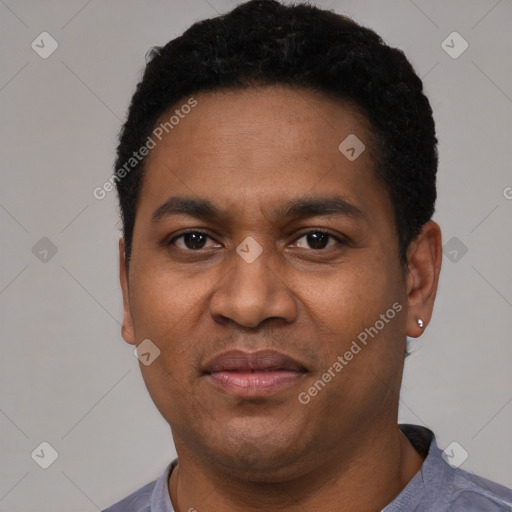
138	501
440	486
473	492
153	497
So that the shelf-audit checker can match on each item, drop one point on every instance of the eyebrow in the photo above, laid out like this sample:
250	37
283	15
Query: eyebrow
299	208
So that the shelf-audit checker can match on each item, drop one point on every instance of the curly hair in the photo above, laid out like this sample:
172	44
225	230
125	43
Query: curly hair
263	42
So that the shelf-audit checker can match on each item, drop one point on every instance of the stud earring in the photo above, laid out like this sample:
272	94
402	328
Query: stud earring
420	323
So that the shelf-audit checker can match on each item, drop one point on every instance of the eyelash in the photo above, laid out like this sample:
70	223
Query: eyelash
199	231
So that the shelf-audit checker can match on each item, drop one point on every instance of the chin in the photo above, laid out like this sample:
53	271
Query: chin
260	449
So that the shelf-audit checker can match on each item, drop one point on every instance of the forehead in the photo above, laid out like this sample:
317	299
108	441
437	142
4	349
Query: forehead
261	145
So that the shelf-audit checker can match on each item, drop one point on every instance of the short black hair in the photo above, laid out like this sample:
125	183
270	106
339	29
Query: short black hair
263	42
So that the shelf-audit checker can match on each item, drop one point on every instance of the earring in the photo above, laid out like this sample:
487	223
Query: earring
420	323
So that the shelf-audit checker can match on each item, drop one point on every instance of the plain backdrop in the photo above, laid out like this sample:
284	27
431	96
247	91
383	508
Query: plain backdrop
66	376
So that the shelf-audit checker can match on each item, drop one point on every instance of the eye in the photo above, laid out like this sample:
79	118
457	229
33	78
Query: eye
318	239
191	240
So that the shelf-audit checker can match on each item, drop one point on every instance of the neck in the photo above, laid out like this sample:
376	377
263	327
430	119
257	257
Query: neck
365	476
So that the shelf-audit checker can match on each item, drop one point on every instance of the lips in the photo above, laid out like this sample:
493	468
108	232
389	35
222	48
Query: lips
253	373
263	360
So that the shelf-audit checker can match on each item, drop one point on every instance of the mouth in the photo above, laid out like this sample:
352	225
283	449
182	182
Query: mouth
250	374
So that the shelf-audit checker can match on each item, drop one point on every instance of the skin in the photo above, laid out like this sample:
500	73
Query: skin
248	152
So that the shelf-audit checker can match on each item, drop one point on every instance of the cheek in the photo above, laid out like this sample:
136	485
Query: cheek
160	299
350	299
160	313
167	311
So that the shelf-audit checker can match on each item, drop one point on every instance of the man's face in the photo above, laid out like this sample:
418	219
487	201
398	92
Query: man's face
252	154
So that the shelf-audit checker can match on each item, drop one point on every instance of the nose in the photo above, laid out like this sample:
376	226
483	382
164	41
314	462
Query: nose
252	292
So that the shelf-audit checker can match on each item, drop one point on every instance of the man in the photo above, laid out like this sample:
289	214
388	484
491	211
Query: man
276	177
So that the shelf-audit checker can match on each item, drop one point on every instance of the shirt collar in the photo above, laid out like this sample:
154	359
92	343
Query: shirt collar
425	484
160	498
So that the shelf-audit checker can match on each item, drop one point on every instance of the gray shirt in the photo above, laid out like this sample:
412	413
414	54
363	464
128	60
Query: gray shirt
436	487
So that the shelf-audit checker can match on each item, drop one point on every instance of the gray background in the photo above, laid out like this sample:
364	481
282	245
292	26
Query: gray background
66	375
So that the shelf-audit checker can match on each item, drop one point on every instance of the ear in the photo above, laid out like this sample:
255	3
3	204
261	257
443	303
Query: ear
424	257
127	329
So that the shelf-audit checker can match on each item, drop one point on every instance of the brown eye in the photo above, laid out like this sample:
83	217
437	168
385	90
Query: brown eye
192	240
317	240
